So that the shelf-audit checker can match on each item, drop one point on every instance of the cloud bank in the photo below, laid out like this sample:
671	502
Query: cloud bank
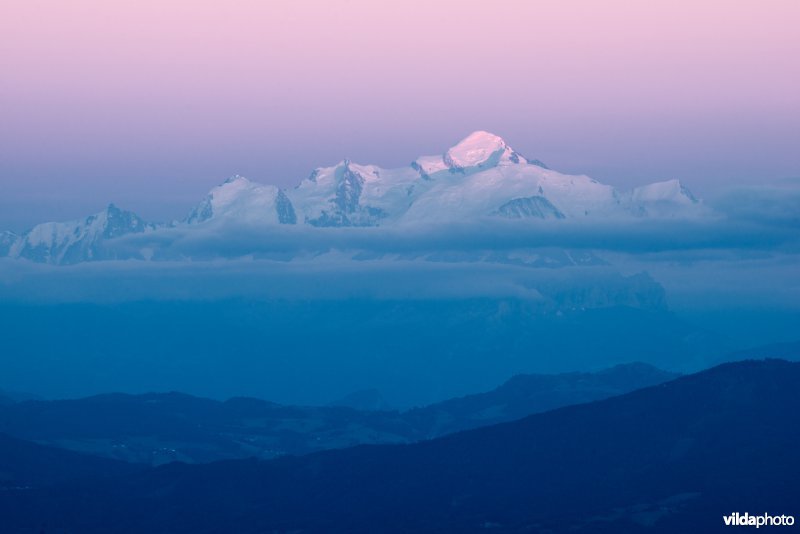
749	251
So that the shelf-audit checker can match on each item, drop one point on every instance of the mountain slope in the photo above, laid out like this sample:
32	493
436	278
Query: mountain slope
674	457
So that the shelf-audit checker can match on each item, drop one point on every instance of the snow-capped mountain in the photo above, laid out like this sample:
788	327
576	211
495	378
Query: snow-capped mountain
481	177
240	198
665	199
77	241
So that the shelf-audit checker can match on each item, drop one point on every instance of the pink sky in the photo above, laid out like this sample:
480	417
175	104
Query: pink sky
135	100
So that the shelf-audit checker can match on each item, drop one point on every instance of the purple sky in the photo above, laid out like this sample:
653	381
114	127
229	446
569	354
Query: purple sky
150	103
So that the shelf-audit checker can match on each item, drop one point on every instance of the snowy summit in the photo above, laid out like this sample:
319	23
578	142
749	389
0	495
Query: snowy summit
479	177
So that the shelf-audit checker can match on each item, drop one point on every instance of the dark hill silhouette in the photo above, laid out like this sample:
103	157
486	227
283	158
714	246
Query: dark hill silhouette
27	465
670	458
785	351
159	428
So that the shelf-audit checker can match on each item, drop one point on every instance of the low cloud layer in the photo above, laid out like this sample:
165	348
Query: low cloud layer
775	205
750	250
231	239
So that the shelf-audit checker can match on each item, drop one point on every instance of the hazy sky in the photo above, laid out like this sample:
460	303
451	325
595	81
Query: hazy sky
150	103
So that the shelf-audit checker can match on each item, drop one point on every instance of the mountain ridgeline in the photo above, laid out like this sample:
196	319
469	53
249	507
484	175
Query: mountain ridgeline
480	178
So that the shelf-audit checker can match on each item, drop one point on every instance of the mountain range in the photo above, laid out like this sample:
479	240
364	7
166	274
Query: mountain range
479	178
161	428
675	457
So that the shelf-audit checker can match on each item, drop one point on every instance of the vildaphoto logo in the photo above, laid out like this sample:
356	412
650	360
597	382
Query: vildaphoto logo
746	520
